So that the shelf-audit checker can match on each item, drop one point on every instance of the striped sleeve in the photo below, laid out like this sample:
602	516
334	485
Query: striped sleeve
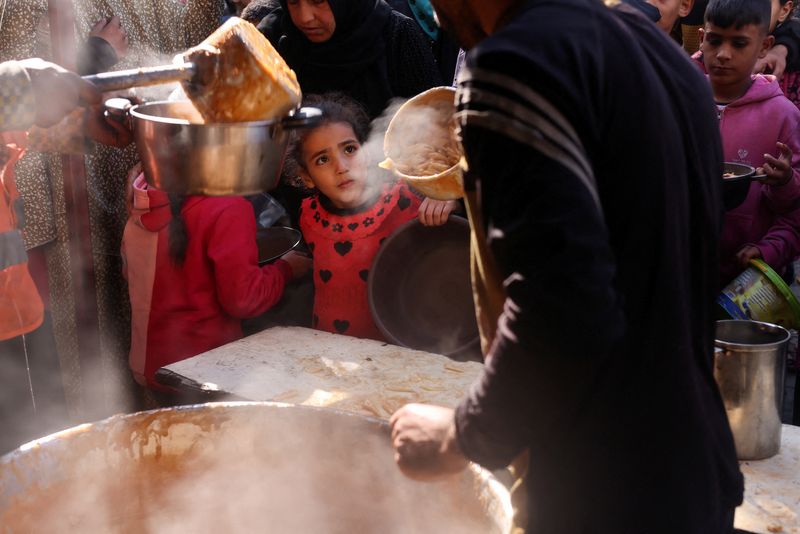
501	104
546	230
17	102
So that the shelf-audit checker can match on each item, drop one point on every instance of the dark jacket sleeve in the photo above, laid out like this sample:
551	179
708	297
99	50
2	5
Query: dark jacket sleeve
788	35
96	56
563	315
412	67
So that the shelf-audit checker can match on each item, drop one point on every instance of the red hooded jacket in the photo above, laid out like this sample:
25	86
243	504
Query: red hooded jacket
178	311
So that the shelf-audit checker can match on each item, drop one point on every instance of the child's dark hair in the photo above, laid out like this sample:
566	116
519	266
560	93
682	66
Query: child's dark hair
178	236
738	13
335	107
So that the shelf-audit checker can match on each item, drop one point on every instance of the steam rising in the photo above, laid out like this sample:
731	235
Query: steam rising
238	469
378	178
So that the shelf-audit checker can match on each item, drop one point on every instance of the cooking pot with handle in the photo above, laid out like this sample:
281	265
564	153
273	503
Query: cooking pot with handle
183	155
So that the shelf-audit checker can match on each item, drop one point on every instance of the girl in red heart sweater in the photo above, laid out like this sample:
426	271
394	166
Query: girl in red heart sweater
349	215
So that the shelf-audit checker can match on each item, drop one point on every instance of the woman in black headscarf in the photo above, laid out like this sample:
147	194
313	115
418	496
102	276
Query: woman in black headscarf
359	47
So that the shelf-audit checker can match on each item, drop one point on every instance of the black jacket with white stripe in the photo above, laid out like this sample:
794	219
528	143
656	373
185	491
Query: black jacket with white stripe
599	161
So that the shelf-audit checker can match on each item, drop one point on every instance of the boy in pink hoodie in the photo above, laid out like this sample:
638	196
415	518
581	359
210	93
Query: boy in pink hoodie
193	275
756	121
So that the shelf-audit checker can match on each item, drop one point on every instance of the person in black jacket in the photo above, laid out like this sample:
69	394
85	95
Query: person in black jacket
444	47
597	184
361	48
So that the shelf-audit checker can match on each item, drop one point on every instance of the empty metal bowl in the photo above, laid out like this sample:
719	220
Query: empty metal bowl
276	241
420	292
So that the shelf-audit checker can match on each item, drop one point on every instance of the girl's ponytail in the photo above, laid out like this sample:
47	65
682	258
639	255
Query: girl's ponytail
178	236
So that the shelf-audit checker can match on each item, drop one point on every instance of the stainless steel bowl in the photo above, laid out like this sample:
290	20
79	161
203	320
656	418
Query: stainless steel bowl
182	155
275	241
749	367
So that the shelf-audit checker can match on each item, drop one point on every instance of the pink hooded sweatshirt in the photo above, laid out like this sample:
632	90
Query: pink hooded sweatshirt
178	311
769	218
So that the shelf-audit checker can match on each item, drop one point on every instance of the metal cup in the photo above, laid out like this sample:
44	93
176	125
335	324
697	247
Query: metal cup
749	367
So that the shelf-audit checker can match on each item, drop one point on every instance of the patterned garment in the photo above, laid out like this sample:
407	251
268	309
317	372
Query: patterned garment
17	105
344	244
20	37
66	137
157	30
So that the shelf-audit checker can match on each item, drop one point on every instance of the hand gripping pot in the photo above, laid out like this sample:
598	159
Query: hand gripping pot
180	154
421	148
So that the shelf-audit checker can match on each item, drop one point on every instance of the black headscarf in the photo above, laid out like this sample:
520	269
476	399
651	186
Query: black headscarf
353	60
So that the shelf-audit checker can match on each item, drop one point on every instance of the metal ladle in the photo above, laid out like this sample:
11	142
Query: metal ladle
142	77
234	75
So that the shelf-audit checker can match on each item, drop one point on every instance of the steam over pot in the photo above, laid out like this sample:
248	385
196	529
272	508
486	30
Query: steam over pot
236	468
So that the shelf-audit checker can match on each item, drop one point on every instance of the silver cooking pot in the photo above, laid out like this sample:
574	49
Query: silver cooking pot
182	155
236	468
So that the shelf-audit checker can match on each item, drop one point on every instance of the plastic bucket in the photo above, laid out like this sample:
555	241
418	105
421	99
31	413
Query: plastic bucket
405	129
749	367
760	294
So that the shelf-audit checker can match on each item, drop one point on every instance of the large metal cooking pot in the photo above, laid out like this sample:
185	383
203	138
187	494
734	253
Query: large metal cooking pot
235	468
182	155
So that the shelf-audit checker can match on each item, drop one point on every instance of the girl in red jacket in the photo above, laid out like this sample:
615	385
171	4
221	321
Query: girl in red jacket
349	214
193	275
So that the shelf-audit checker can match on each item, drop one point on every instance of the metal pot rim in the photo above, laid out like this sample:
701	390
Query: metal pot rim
134	111
751	347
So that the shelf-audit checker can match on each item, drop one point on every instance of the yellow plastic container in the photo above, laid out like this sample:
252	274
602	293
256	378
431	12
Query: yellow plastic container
760	294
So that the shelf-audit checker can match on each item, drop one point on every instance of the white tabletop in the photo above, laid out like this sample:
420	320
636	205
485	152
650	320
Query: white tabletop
309	367
772	490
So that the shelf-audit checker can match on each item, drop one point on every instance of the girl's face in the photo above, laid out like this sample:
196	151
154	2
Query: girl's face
314	18
779	13
333	163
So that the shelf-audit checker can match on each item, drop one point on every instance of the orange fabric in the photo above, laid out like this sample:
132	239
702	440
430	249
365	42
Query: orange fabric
21	308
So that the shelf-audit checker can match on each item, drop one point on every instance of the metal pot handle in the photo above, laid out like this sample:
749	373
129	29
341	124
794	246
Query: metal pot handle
302	118
118	110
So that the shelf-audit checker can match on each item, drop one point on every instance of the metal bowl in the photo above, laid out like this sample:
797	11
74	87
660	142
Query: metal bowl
236	468
735	188
275	241
446	185
419	288
182	155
